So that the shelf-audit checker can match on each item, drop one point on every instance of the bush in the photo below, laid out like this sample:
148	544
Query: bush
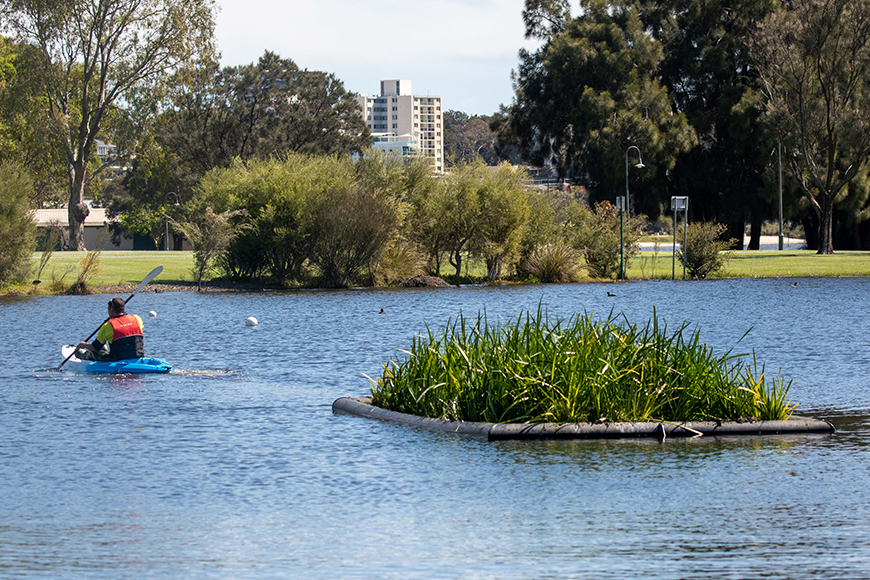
705	252
596	234
351	228
399	262
17	230
553	263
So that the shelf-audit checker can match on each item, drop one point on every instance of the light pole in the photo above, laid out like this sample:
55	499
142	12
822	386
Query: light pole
779	155
620	207
639	165
174	196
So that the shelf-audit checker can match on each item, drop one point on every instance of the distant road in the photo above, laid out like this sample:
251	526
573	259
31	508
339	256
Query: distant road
767	243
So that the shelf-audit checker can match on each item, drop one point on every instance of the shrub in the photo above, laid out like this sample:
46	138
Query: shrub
596	234
705	252
400	261
553	263
350	227
17	230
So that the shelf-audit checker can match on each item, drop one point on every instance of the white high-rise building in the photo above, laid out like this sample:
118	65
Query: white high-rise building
397	115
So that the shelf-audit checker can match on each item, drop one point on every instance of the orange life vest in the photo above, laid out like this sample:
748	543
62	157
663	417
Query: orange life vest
127	341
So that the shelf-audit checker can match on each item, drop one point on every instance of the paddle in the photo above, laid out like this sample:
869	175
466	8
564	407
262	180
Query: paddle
151	275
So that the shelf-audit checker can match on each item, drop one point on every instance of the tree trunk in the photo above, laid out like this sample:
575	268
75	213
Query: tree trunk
810	221
456	262
735	232
755	234
826	225
78	211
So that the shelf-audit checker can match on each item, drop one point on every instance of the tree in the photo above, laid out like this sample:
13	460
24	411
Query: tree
814	61
275	196
139	197
17	230
597	235
426	228
544	18
458	210
352	227
96	55
710	74
504	212
25	133
467	138
589	93
260	110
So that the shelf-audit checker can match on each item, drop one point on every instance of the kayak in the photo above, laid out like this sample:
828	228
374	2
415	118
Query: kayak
146	364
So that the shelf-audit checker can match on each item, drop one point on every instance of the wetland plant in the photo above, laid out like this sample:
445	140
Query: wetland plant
537	370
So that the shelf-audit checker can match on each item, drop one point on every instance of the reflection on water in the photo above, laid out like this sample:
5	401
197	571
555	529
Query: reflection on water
237	468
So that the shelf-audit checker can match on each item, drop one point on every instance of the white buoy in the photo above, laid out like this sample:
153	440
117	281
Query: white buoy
250	321
152	314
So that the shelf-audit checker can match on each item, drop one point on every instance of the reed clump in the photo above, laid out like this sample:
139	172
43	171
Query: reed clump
536	370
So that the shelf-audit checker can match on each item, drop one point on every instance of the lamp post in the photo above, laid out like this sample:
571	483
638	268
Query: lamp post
620	207
638	165
174	196
779	156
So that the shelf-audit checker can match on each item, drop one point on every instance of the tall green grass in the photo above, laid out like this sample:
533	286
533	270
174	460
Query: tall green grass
581	370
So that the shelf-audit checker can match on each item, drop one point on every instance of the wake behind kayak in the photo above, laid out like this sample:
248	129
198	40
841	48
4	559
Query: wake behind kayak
145	364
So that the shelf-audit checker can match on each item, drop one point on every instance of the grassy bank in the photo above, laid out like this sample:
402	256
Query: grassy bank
536	370
125	267
128	267
760	264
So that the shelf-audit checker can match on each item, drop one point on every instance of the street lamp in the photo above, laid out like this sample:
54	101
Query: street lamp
174	196
779	155
639	165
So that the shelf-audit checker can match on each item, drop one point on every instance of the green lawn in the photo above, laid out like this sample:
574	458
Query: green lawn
131	266
761	264
119	267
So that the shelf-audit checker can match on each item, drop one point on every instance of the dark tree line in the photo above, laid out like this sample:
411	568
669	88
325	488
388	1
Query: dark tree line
706	90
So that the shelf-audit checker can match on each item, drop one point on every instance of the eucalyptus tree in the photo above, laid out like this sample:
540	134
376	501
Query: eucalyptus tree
25	132
467	137
710	74
96	55
258	110
589	93
814	61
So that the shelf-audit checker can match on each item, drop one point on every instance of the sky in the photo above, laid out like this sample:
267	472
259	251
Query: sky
461	50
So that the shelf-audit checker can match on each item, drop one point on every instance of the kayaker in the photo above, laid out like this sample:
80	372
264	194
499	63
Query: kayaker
122	333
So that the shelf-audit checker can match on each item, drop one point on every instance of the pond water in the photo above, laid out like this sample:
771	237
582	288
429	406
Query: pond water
242	471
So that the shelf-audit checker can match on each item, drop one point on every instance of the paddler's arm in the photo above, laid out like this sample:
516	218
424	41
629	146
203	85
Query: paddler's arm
91	346
103	336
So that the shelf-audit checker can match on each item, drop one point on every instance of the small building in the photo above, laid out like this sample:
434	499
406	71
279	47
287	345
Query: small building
95	223
95	226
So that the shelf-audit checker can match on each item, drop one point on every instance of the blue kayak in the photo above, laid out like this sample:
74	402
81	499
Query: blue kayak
146	364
